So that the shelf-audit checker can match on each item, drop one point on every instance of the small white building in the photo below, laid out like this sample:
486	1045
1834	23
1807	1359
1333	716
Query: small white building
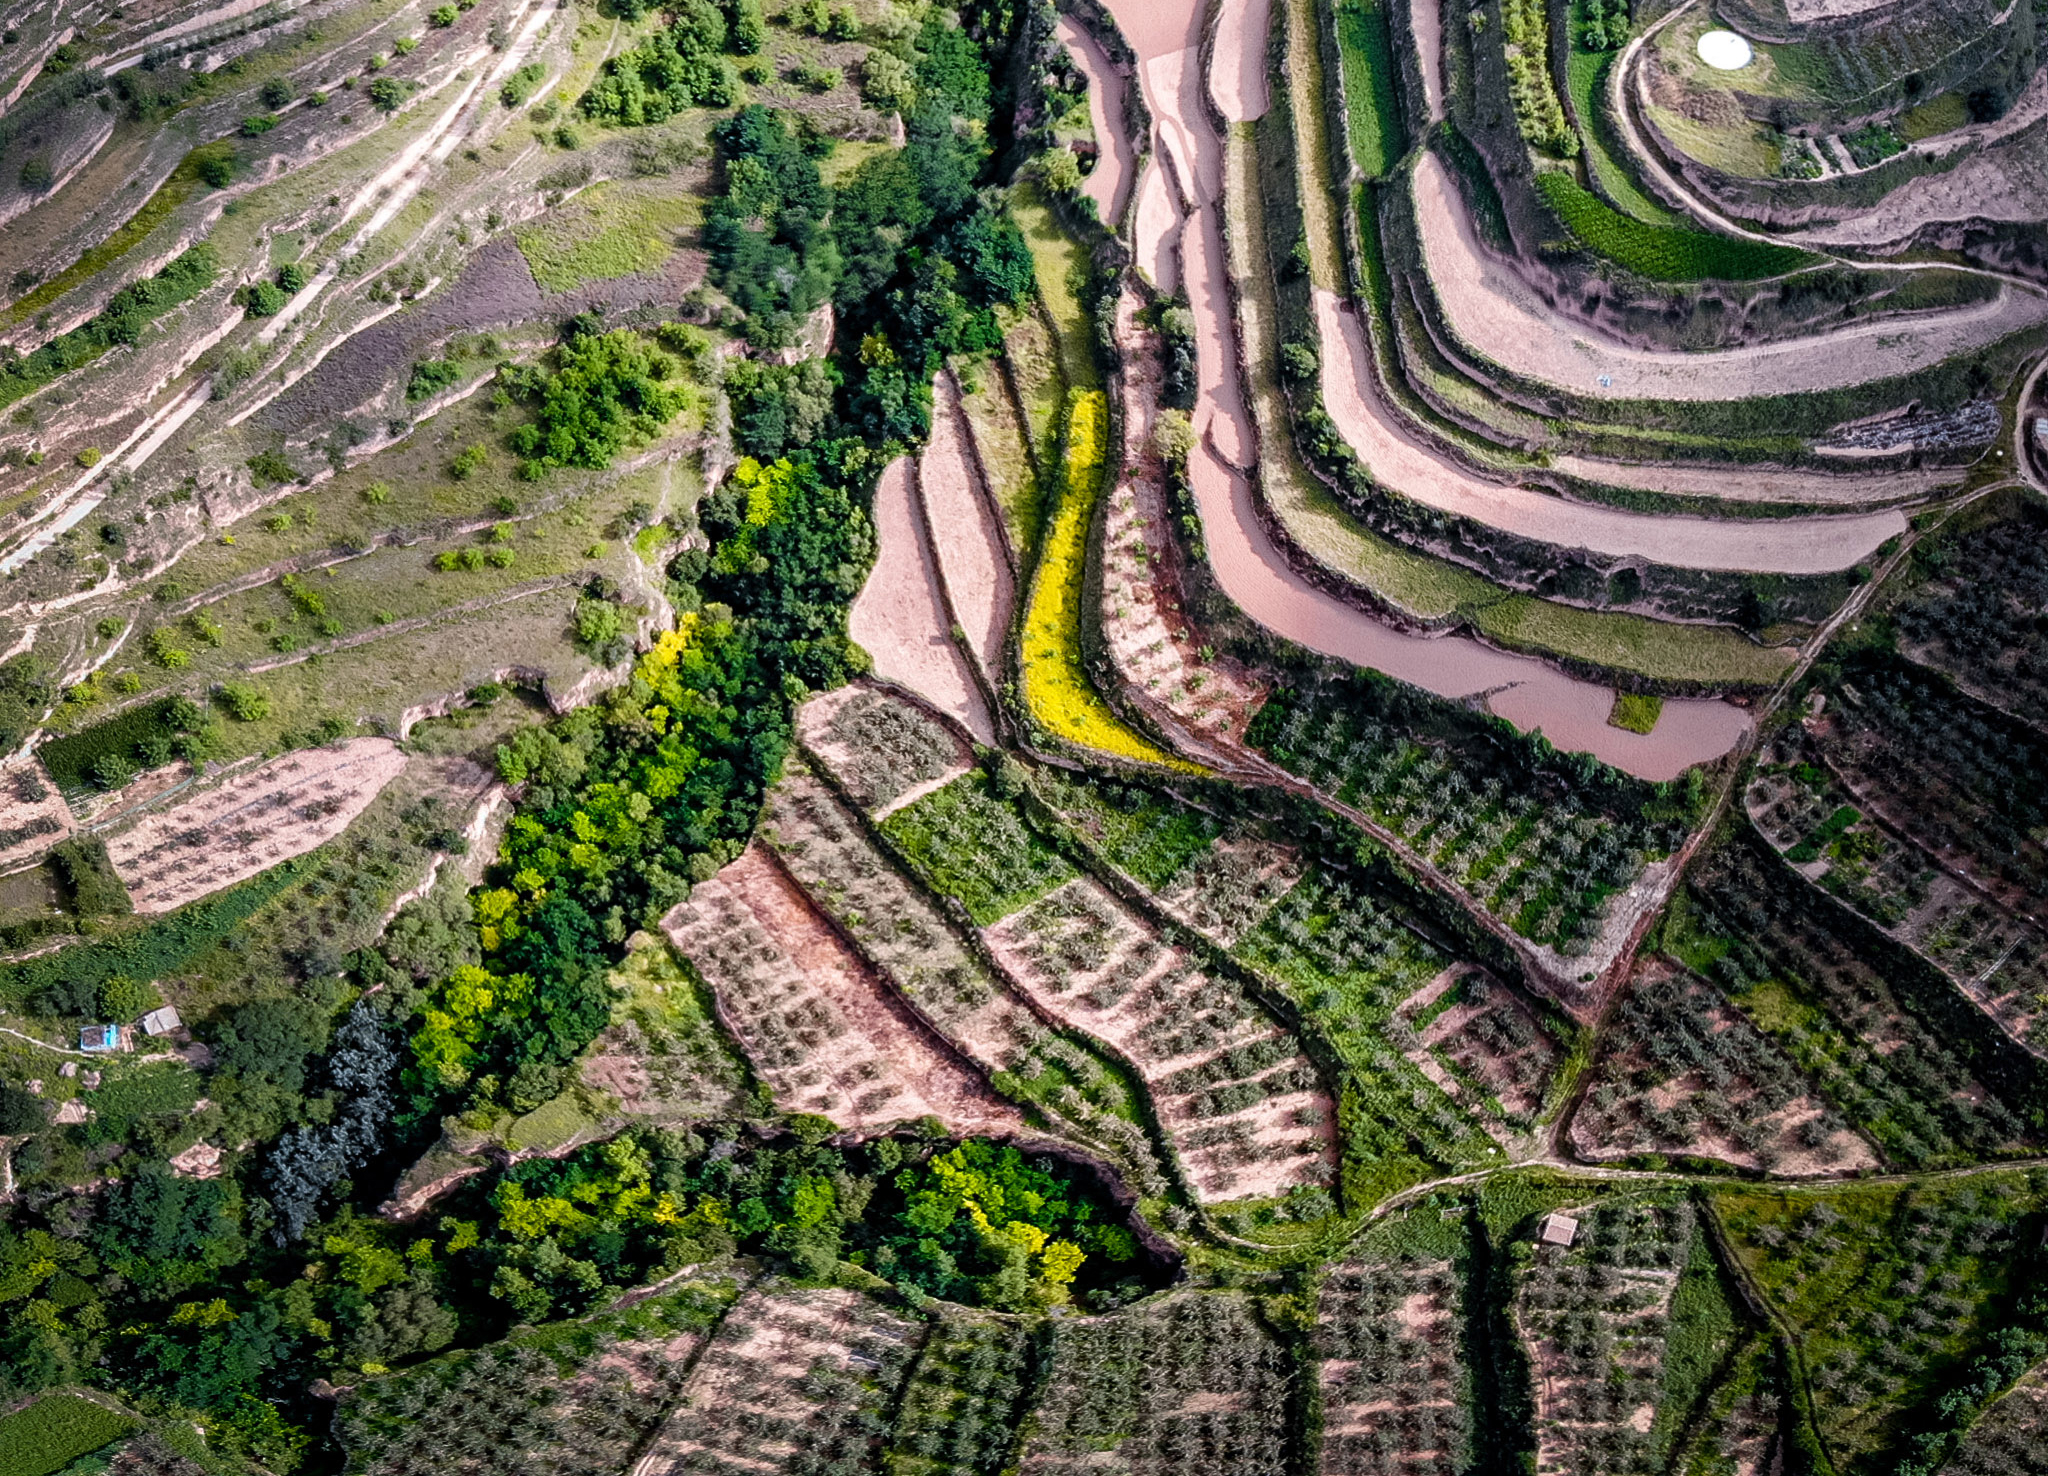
1558	1230
161	1022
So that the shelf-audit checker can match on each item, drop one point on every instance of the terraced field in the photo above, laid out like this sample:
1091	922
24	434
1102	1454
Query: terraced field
1291	738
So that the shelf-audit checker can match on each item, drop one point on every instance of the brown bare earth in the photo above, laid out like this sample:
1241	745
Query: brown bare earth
900	617
967	539
33	816
1249	1127
831	726
1816	545
1155	647
1488	1036
1618	1118
745	1407
827	1034
282	809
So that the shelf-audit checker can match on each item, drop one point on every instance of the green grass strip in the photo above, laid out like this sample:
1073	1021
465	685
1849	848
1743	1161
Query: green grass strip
172	193
1373	113
1661	253
55	1431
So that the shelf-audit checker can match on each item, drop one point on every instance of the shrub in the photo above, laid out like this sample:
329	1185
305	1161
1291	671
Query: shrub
466	463
431	376
218	170
36	174
606	390
387	94
122	998
444	16
259	124
261	299
406	45
746	28
88	876
671	70
243	702
292	277
90	456
276	92
271	469
521	84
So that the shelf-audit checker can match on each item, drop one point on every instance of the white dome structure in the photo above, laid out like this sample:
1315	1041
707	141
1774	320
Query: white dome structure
1725	51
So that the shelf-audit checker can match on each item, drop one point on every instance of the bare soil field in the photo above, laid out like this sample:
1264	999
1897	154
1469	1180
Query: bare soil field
1108	185
1486	1048
913	945
1780	546
827	1033
33	815
967	538
1155	647
282	809
1245	1108
1237	69
1494	311
789	1374
900	617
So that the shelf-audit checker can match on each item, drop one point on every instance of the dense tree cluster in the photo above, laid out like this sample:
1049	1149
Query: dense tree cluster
677	68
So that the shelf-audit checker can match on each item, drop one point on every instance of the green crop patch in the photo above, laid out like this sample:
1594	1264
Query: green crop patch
55	1431
1661	253
970	843
1374	113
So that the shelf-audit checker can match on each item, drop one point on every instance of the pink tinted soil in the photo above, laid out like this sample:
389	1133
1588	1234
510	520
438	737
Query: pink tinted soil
17	814
1254	573
1159	226
1108	185
1763	483
1237	70
285	808
1495	312
1426	21
1772	546
962	516
900	617
880	1066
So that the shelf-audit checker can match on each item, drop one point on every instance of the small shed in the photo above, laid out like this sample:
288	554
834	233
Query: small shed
98	1038
1558	1230
161	1022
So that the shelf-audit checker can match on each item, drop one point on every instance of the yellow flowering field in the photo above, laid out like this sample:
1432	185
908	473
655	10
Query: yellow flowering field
1056	687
